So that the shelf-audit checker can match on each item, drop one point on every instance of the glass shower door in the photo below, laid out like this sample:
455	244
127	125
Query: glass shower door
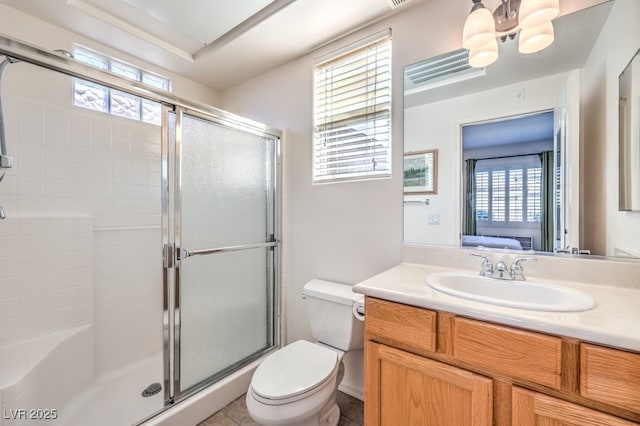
225	238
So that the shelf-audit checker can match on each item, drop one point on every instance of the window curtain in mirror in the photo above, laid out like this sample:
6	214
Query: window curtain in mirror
546	190
470	191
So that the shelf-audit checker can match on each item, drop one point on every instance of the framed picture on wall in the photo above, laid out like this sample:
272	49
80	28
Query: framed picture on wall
421	172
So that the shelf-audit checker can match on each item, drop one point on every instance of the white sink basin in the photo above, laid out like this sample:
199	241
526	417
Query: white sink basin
514	294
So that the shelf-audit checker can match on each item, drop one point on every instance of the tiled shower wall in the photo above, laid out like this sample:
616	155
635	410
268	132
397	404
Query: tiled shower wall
45	275
83	207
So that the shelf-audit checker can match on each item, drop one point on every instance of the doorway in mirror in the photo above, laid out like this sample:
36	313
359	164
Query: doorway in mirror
512	196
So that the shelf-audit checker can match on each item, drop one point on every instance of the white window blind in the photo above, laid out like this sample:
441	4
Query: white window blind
508	192
482	196
534	198
516	201
498	195
352	114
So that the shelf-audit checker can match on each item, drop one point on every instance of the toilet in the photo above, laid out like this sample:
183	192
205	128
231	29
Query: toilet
297	384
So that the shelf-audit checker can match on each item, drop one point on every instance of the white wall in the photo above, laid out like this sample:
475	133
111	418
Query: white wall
604	226
442	121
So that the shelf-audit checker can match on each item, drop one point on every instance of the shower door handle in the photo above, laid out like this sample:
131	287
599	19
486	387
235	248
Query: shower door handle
184	253
168	255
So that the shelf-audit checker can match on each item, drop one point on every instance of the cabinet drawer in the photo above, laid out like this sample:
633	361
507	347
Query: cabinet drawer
401	325
517	353
611	376
533	408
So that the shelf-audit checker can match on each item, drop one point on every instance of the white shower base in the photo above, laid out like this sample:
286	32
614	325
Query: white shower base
56	375
115	398
38	374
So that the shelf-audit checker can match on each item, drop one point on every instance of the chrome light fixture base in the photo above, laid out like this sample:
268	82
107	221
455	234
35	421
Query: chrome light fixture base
506	17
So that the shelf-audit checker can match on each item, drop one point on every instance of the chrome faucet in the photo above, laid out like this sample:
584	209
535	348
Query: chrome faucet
516	270
486	270
500	271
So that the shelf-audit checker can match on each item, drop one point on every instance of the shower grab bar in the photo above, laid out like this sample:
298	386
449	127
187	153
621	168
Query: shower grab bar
184	253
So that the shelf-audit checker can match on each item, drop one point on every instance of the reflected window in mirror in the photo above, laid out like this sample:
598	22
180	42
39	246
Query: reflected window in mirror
509	183
506	192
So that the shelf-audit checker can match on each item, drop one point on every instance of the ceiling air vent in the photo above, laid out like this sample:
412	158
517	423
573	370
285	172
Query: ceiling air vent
440	70
396	3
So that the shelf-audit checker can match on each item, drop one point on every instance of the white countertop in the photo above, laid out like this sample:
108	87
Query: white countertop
614	321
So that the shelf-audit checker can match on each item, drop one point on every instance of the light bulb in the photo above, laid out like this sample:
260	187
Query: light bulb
484	55
535	39
534	13
479	28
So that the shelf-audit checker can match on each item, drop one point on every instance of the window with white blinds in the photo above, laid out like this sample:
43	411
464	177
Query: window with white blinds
352	113
508	192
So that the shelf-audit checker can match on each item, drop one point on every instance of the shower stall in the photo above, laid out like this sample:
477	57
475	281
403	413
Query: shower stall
139	263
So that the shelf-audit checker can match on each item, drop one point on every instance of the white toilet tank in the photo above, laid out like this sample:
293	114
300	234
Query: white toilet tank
329	309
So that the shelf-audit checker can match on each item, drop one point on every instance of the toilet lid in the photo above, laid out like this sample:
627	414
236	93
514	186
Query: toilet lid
293	370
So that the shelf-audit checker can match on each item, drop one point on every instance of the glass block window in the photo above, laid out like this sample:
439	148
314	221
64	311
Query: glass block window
89	95
100	98
125	105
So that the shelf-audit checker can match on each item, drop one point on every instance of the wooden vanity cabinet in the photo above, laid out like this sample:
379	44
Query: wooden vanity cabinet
408	389
424	367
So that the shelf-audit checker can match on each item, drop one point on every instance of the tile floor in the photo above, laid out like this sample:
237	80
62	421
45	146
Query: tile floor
235	414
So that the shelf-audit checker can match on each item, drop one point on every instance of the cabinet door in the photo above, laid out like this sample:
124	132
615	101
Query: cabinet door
611	376
405	389
531	408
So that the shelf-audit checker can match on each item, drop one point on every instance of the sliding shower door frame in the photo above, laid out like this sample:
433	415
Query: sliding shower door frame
174	253
36	55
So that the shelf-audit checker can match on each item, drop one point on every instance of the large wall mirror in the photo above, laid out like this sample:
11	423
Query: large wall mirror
514	162
629	116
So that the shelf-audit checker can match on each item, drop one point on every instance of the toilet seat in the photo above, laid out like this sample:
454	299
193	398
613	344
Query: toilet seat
294	371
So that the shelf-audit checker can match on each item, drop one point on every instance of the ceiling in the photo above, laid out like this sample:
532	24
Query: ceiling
575	35
523	129
217	43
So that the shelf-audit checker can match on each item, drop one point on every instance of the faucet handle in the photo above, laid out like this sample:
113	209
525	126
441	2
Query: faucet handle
516	267
487	267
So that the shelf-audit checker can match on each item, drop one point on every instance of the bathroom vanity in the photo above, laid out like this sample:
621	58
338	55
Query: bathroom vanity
432	358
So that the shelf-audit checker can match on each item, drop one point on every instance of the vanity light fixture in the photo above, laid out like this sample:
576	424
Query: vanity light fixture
531	18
